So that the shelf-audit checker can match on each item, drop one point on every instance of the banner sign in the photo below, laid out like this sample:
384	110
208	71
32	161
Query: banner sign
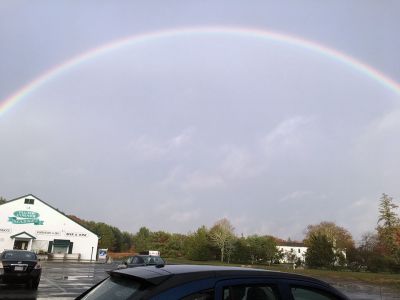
25	217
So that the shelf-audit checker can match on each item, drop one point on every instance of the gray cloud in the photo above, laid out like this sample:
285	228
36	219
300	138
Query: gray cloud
271	136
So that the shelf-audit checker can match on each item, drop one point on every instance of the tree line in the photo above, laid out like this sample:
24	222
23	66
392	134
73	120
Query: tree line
329	245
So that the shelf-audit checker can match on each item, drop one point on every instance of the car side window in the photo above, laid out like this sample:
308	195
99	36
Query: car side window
307	293
202	295
158	260
137	260
251	292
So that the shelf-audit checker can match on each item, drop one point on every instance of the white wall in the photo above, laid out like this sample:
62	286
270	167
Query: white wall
54	226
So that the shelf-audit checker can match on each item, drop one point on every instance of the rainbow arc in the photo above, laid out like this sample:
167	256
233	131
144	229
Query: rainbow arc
290	40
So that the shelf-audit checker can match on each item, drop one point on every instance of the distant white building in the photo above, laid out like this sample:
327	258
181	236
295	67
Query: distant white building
292	252
31	224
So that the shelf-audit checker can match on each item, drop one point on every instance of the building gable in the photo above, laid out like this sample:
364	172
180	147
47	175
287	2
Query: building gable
23	235
31	216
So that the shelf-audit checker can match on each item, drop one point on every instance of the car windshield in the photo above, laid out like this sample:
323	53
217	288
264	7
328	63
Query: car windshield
116	288
16	255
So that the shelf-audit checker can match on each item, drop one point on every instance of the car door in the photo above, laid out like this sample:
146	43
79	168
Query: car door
259	288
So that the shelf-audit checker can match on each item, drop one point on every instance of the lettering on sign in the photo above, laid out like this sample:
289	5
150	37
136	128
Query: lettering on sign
48	232
25	217
5	230
76	234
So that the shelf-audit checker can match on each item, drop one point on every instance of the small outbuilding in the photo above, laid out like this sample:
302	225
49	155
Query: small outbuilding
31	224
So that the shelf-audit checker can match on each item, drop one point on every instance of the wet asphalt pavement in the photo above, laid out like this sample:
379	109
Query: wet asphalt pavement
60	280
68	280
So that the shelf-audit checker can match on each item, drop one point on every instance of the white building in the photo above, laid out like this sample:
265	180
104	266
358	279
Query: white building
31	224
292	252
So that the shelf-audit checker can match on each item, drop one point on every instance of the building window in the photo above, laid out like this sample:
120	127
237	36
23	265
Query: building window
298	250
29	201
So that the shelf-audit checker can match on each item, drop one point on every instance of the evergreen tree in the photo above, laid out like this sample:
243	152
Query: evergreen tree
2	200
320	252
198	245
389	229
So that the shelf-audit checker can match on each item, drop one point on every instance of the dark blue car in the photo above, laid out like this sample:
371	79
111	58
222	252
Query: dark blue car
191	282
141	260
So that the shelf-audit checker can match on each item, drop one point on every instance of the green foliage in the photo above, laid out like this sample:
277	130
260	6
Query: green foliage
2	200
107	239
198	245
380	251
110	237
387	215
320	252
261	249
389	230
339	237
242	251
175	246
126	241
142	240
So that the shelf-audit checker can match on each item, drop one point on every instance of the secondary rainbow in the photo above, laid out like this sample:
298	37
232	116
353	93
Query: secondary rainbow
331	53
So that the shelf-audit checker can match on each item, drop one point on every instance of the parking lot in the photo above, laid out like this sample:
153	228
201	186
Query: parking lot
60	280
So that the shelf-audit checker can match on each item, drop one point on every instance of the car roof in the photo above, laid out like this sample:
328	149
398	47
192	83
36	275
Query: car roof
17	250
185	273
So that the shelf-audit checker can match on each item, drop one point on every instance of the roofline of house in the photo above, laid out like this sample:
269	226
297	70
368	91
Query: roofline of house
98	237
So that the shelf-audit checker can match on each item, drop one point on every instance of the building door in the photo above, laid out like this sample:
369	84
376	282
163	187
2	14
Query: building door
21	244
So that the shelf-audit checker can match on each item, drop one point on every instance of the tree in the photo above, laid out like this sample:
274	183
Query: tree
222	235
2	200
338	236
198	245
241	253
261	248
387	215
371	255
159	241
127	241
290	256
107	239
389	228
175	245
320	252
142	239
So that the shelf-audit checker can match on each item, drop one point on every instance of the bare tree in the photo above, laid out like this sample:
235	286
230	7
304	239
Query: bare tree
222	236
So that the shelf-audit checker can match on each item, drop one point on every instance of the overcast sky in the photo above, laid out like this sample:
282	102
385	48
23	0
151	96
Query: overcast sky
180	131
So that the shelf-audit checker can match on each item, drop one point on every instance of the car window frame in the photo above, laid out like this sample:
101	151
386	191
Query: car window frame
314	286
248	280
186	289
